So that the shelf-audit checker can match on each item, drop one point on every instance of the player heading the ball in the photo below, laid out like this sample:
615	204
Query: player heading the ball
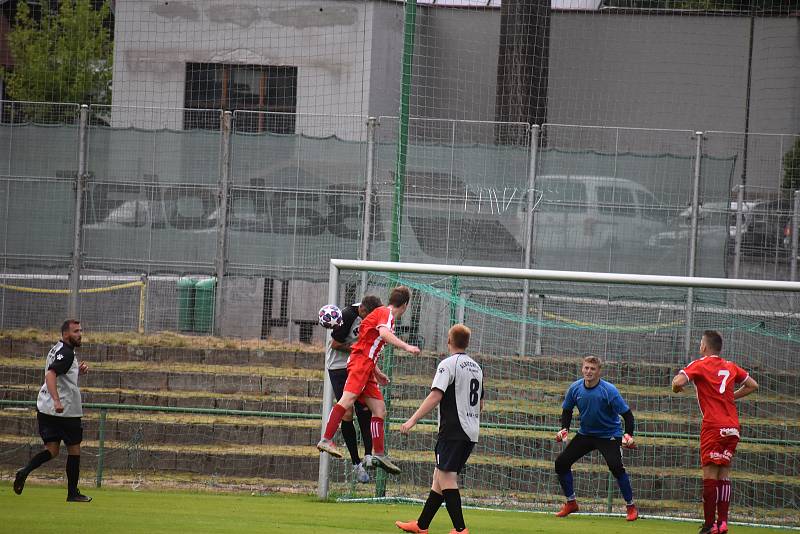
337	352
364	376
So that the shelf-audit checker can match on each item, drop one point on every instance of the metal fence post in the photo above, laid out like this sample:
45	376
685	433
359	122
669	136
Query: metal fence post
222	219
795	226
372	124
531	204
737	248
142	302
323	481
687	341
73	301
540	320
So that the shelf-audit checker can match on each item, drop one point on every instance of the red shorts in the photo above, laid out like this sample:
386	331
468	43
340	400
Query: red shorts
718	445
361	380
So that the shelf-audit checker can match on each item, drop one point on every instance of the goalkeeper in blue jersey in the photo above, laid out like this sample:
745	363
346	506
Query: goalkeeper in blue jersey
600	406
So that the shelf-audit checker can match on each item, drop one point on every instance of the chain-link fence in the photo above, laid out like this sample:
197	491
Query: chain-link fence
252	217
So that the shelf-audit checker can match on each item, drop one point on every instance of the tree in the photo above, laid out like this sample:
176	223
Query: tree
791	168
64	56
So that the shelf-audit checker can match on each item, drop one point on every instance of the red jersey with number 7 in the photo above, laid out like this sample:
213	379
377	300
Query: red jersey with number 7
369	343
715	379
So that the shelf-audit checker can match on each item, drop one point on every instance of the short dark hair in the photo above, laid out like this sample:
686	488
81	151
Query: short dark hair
399	296
713	340
459	336
371	302
65	326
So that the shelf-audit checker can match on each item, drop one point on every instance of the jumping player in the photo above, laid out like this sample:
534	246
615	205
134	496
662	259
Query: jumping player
714	380
458	391
600	406
337	352
363	376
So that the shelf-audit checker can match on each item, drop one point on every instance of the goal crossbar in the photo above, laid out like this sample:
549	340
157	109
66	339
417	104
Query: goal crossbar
563	276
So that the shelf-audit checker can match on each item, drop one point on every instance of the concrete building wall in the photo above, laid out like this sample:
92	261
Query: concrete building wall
385	53
456	63
637	71
605	69
324	39
775	98
648	71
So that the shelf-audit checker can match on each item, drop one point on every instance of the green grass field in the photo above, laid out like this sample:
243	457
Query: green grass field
42	509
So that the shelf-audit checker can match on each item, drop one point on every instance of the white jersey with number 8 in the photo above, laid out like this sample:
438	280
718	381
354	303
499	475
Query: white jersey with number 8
460	378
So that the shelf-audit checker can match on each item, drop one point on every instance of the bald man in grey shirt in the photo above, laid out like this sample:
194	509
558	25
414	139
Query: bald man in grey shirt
59	410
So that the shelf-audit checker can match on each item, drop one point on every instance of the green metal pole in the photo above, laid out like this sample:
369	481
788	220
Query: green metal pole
402	142
101	447
409	29
610	500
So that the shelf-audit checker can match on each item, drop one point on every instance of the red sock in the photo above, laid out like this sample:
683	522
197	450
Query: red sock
724	501
709	500
337	412
376	426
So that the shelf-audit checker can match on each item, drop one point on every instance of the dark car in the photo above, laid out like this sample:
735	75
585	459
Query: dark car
767	229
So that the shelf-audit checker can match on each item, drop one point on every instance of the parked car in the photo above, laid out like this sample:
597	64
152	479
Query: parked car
712	215
584	213
769	228
579	220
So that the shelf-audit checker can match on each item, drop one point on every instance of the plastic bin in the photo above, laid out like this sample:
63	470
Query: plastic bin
204	296
186	296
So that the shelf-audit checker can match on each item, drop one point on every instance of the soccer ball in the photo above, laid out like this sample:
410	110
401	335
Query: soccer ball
330	316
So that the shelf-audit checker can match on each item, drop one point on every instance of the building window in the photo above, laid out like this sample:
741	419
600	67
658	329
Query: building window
214	86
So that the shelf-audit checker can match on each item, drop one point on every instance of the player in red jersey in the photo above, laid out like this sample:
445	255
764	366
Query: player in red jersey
714	380
363	376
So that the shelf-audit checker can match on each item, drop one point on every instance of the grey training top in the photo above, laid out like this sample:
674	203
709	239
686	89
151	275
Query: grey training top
63	361
346	333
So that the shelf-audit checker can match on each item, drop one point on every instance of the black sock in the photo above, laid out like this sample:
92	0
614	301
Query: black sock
452	499
364	420
350	439
36	461
73	472
432	506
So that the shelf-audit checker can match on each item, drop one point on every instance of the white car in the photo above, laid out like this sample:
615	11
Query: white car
585	213
581	222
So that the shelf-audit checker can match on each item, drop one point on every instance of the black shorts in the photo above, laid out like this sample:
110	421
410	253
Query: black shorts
338	378
452	454
58	429
581	445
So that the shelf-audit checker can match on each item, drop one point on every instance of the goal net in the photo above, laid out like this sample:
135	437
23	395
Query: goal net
531	351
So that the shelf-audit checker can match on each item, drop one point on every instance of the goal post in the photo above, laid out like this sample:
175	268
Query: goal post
638	325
